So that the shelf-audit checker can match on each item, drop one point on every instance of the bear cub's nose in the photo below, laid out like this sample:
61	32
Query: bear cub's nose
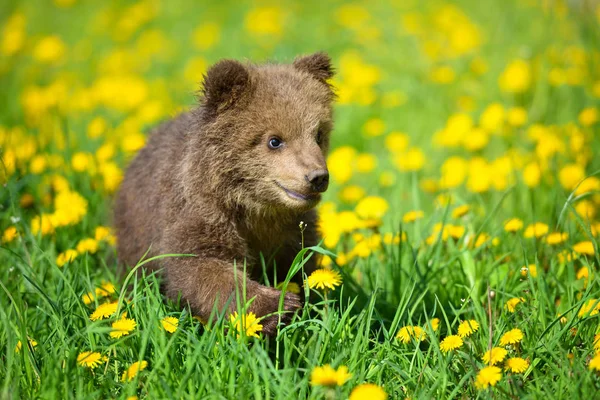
318	179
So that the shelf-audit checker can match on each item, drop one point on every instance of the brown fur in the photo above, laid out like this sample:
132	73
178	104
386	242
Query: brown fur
207	184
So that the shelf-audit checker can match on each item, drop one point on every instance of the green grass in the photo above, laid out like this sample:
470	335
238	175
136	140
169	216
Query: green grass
395	285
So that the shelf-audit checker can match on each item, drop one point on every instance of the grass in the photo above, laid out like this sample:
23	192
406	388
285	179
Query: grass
74	112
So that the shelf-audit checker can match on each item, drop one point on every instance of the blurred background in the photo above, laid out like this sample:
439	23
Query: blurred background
438	101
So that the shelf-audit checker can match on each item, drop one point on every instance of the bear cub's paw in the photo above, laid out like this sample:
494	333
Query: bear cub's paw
269	304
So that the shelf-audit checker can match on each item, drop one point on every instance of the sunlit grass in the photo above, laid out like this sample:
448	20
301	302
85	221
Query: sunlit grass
462	215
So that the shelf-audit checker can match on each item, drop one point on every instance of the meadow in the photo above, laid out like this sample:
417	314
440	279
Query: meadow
460	230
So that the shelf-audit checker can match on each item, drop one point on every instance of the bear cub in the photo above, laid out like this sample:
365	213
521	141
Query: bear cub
230	182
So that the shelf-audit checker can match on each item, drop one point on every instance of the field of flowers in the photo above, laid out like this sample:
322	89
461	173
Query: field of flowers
460	254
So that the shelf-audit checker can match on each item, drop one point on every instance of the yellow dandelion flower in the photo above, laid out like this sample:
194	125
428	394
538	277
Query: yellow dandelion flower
108	287
595	363
9	234
89	359
556	238
66	257
374	127
101	233
589	116
170	324
327	376
516	365
133	370
104	311
435	324
513	225
19	345
570	175
511	304
324	278
248	323
488	376
513	336
368	391
412	216
461	211
406	333
122	327
531	269
494	356
293	287
372	207
467	328
586	247
87	245
451	342
590	308
583	273
566	256
537	230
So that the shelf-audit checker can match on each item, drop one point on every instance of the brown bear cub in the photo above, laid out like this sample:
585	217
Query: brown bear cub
230	181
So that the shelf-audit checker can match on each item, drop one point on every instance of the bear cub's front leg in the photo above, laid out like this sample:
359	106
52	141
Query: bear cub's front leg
204	283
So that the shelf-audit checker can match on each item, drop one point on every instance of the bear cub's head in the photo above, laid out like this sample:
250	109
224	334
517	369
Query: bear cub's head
265	134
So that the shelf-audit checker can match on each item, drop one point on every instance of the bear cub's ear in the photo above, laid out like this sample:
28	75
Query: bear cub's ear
317	64
225	84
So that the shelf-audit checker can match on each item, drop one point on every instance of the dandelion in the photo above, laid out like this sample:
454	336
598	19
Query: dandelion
102	233
513	225
66	257
516	78
512	303
374	127
583	273
104	311
169	324
9	234
435	324
556	238
516	365
19	345
108	287
324	278
368	391
531	269
87	245
248	324
352	194
589	116
406	333
513	336
133	370
461	211
327	376
89	359
451	342
293	287
494	356
467	328
412	216
586	247
488	376
595	363
591	307
372	207
537	230
122	327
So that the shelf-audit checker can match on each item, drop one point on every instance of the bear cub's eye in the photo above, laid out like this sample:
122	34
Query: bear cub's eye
319	137
275	143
